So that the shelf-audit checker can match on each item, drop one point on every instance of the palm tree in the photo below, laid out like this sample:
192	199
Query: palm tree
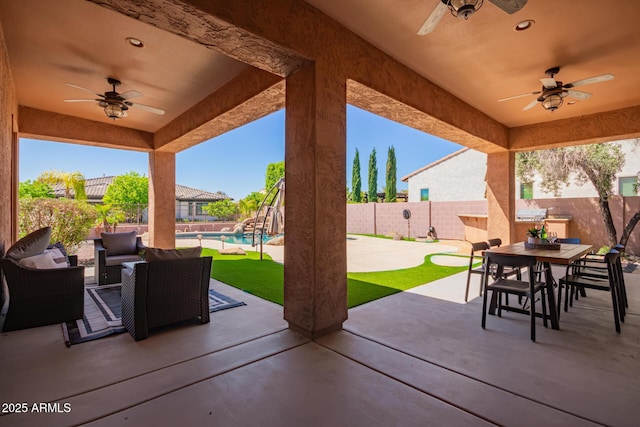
247	206
70	180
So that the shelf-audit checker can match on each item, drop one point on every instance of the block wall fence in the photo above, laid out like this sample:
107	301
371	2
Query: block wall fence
386	218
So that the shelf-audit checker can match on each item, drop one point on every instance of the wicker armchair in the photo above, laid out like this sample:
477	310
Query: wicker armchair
107	268
160	293
42	297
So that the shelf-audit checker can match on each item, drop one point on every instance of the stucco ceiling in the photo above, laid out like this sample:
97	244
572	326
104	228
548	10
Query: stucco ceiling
481	60
484	59
51	43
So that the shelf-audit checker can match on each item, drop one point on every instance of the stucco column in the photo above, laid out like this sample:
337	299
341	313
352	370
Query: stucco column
162	200
315	266
501	196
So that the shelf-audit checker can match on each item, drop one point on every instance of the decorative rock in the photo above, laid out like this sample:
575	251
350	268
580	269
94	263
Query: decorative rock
276	241
232	251
398	236
239	229
225	229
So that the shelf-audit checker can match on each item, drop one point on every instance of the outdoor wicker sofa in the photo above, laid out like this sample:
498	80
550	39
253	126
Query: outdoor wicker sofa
163	292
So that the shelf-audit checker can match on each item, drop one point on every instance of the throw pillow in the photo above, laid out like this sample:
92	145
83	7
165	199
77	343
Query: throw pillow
156	254
30	245
41	262
119	243
58	256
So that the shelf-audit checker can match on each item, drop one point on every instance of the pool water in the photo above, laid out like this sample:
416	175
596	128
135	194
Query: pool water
234	239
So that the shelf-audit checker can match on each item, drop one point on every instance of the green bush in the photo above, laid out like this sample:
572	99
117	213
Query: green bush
70	220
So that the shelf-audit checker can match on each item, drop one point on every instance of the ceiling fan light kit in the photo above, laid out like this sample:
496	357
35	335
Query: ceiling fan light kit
553	91
114	111
552	102
114	104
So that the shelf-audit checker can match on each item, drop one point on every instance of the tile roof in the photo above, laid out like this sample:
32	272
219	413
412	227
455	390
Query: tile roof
96	188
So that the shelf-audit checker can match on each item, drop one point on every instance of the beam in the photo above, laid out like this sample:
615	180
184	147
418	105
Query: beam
40	124
207	29
262	39
402	112
249	96
600	127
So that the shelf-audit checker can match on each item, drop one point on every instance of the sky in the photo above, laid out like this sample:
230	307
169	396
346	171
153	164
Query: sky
235	162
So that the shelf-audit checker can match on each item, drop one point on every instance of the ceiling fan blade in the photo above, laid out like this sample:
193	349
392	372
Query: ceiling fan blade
519	96
153	110
590	80
80	100
130	94
549	82
436	15
577	94
530	106
84	89
509	6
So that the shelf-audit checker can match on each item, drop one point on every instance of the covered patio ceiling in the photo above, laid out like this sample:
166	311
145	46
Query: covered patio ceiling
206	92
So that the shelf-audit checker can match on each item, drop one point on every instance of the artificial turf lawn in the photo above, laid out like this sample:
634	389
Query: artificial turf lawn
265	278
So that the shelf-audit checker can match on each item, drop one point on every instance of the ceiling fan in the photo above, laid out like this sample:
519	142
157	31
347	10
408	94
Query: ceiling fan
464	9
115	104
553	92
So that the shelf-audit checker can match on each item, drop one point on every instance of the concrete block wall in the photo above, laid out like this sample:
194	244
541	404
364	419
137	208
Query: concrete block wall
445	219
360	218
586	223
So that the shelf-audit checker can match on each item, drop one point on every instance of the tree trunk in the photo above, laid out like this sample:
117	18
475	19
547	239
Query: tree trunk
608	221
629	228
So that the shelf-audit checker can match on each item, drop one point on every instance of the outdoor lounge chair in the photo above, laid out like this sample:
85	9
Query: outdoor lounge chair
111	251
163	292
40	297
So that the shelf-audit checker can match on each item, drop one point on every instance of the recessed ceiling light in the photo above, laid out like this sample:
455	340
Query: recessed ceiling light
135	42
571	102
524	25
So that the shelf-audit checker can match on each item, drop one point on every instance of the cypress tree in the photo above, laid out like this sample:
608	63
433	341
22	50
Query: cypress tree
355	179
390	195
373	177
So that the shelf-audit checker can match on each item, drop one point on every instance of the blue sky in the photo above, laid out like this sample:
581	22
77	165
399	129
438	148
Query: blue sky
236	161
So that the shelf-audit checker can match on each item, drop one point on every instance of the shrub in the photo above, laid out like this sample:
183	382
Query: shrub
70	220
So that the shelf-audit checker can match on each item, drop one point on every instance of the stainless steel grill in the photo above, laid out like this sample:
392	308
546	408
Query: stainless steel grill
531	215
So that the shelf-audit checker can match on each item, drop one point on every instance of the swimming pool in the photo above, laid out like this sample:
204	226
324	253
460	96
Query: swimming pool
235	239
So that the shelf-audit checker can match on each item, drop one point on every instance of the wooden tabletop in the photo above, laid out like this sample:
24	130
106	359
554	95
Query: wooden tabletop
566	255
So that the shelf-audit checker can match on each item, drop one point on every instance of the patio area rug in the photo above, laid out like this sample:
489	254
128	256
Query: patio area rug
103	313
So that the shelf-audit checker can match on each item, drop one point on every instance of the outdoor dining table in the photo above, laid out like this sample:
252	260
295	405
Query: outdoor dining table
564	256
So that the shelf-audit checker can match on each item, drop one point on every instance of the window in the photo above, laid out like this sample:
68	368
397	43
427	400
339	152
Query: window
628	186
526	190
424	195
199	208
190	209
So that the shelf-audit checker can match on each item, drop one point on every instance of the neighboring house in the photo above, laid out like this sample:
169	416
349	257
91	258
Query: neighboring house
461	176
189	201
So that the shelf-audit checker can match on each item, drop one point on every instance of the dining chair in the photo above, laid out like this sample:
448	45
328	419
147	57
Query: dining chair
608	280
507	272
473	258
522	288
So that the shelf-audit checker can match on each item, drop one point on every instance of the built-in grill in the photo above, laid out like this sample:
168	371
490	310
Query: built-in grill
531	215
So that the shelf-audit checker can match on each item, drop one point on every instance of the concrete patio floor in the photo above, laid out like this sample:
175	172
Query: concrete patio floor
414	358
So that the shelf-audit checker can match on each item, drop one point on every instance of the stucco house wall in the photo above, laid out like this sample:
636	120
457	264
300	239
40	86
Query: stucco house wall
461	176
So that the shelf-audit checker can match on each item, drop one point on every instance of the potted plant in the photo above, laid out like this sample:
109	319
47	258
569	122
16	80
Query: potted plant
533	235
